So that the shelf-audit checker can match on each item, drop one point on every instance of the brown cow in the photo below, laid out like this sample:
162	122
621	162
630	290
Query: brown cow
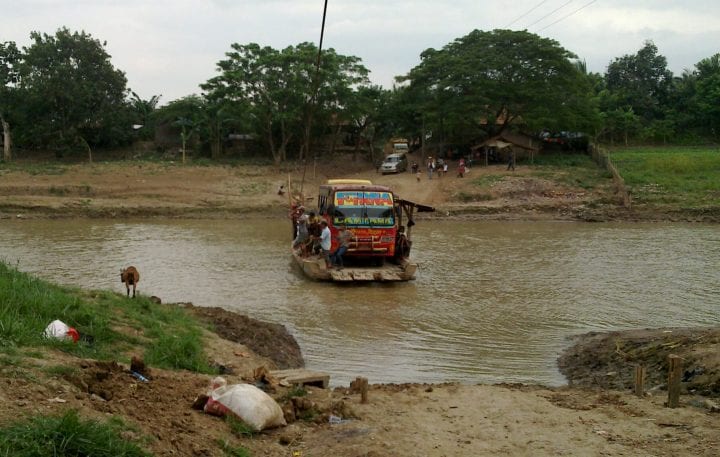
130	276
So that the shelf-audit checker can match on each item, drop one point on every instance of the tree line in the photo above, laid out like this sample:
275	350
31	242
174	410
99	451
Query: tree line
62	93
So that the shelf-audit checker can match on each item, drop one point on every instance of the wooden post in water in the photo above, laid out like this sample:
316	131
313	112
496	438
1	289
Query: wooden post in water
640	380
674	376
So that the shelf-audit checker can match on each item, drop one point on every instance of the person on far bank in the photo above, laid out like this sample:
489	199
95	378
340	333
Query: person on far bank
511	162
461	168
325	243
344	237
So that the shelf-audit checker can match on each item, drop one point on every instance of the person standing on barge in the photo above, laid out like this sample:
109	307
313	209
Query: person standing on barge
325	242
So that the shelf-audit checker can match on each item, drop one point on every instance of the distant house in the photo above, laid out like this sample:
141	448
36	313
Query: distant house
241	144
500	147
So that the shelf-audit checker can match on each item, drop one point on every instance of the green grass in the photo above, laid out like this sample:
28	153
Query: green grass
67	435
232	451
171	338
685	177
295	391
239	428
577	170
61	371
487	180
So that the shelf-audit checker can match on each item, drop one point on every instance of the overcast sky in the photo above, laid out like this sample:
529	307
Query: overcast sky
168	48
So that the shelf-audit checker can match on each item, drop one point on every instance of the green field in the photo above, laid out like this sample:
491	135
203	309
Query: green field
682	177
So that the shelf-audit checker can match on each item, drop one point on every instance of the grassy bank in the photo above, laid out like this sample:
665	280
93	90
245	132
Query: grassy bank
548	172
112	327
681	177
571	169
167	336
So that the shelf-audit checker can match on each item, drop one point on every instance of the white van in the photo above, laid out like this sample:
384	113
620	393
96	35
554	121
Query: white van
394	163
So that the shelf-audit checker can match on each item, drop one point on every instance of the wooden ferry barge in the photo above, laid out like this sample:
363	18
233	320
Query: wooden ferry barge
381	224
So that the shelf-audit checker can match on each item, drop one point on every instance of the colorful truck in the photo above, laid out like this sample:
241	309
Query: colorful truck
381	225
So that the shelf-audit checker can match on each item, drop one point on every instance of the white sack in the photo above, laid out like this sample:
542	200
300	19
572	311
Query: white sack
57	329
252	405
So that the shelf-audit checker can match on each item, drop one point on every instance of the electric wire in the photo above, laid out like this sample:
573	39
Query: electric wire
568	15
550	13
526	13
322	33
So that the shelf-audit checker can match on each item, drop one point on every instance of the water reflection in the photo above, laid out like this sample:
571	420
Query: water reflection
493	301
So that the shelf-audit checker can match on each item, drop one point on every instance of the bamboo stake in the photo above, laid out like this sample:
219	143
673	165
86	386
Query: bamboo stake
674	376
640	372
362	385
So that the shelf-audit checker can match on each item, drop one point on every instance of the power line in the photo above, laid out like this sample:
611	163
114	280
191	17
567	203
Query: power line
568	15
526	13
550	13
322	34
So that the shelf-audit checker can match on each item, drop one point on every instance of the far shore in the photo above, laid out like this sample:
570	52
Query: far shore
147	190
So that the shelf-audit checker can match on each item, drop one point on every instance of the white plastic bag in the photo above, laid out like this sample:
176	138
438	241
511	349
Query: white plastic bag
252	405
60	330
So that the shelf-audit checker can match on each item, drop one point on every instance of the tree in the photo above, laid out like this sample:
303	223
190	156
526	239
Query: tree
367	109
284	92
503	76
334	86
263	79
75	97
641	82
143	111
185	113
10	57
708	94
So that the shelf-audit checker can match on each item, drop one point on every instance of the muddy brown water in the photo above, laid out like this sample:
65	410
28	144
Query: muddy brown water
492	302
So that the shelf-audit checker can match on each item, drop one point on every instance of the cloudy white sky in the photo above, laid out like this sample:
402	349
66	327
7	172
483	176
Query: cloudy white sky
168	48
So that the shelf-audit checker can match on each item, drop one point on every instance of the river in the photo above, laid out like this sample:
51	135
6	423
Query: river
492	302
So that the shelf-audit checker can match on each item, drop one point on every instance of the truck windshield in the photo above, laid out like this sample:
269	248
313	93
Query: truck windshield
364	209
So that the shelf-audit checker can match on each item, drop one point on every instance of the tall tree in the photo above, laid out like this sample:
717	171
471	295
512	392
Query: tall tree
284	92
641	82
367	109
333	85
261	78
74	94
10	57
499	76
708	94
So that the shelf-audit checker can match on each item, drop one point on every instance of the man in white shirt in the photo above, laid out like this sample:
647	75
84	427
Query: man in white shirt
325	242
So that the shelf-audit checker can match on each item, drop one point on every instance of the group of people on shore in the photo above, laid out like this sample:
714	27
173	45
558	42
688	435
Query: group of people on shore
312	236
438	166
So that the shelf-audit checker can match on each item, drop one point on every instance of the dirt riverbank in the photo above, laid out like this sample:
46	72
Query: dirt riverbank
398	420
130	189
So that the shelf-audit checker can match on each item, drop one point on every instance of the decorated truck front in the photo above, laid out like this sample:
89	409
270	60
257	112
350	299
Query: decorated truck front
367	210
